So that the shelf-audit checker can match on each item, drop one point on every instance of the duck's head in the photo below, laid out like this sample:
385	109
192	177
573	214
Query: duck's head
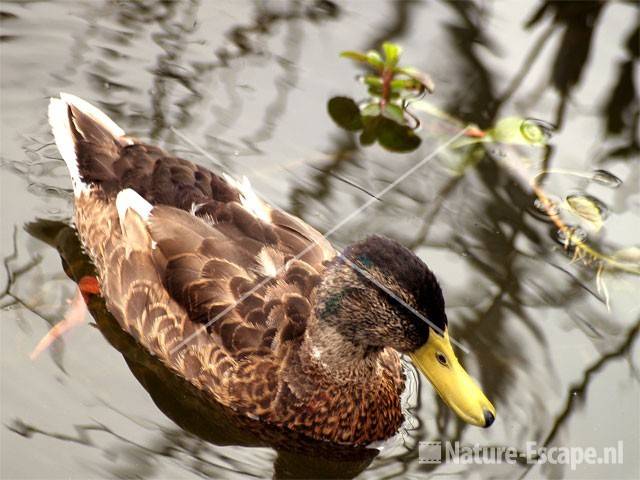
379	294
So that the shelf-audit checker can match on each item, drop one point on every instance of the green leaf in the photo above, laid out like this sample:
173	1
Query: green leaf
397	138
405	84
536	131
357	56
373	80
374	59
371	110
345	113
395	113
510	130
369	134
588	208
392	53
375	91
423	78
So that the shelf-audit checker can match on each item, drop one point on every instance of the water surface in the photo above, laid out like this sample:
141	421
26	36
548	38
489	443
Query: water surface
245	85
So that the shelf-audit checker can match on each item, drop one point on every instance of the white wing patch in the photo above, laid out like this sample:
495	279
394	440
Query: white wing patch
130	199
248	198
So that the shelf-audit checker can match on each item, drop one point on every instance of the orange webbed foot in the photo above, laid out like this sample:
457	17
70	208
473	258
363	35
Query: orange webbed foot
75	315
89	285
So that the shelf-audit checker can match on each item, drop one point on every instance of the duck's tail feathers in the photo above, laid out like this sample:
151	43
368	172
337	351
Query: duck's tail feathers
88	140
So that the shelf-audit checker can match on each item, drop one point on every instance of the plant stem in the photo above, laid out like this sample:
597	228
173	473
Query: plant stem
387	76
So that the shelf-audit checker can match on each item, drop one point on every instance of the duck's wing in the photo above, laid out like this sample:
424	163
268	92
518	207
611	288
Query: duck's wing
245	281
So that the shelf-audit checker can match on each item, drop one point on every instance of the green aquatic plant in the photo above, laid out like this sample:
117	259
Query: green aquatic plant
383	116
390	85
515	131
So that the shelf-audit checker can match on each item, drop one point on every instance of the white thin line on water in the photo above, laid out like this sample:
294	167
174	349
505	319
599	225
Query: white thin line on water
214	159
332	230
197	147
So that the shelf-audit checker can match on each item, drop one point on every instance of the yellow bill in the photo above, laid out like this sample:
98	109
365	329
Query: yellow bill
436	360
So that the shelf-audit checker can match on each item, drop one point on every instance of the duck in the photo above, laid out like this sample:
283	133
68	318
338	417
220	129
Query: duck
249	304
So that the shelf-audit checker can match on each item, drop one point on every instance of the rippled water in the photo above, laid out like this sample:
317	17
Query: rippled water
540	285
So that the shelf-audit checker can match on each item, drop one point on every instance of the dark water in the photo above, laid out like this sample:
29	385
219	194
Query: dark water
552	339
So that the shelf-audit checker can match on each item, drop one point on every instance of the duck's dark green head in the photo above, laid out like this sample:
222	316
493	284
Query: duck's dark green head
379	294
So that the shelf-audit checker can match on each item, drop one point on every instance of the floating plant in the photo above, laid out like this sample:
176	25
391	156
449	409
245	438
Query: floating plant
571	236
588	208
576	240
510	131
383	116
391	83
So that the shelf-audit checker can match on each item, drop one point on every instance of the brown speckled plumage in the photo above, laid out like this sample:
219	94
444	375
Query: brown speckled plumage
199	254
251	359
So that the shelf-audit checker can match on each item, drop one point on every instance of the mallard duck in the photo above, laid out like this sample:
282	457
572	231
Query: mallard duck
248	303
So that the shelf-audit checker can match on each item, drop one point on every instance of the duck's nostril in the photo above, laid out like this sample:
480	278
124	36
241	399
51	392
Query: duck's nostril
488	418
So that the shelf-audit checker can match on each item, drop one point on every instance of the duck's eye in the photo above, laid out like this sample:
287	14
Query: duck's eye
441	358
